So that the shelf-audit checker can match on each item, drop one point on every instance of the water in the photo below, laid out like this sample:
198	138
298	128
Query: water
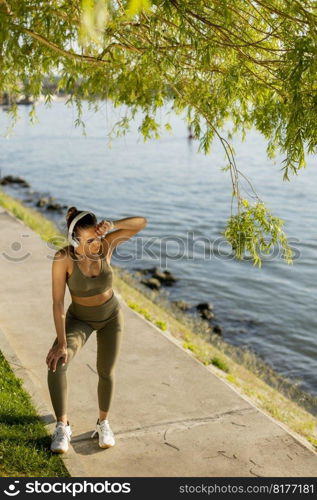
186	199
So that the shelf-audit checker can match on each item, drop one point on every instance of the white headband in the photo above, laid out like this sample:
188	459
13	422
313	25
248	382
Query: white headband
73	222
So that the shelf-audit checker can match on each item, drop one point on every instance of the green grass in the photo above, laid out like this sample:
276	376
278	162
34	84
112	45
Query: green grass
220	364
158	322
24	440
34	220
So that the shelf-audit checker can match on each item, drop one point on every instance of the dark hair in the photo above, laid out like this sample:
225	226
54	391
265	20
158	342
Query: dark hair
85	222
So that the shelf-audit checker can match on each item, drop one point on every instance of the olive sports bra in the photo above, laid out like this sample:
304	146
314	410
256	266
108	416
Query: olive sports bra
85	286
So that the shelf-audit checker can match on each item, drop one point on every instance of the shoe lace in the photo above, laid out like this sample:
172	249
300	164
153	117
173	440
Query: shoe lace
60	431
104	426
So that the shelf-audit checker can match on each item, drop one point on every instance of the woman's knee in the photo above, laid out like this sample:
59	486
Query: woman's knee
62	365
60	368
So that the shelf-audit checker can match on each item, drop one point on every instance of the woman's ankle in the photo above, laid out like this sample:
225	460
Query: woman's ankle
63	419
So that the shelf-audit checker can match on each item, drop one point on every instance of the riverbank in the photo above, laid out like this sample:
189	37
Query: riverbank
237	367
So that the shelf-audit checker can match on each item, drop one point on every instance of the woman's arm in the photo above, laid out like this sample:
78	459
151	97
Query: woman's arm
58	292
126	228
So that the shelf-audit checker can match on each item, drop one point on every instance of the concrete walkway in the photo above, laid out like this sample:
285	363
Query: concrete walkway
170	414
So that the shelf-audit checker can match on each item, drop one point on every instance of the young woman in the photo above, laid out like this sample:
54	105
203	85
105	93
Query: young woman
84	266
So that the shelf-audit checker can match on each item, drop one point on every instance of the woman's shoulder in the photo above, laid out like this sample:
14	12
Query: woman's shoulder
63	252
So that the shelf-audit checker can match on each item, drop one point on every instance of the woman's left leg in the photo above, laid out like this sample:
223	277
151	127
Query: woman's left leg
108	344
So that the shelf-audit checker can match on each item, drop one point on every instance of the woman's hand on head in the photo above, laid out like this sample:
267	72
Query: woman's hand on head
56	352
102	227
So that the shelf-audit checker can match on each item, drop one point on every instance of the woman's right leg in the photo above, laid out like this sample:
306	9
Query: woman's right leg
77	334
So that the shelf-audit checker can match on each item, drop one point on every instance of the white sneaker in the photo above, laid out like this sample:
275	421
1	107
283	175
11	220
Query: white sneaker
106	437
61	437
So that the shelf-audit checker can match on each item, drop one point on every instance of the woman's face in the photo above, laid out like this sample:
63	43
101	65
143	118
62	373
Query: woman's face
90	243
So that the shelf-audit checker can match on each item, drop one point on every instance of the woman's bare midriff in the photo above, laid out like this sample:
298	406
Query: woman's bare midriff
94	300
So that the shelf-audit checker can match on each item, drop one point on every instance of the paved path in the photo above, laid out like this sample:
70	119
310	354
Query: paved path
170	414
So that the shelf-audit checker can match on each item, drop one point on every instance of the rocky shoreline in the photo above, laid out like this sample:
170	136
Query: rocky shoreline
155	278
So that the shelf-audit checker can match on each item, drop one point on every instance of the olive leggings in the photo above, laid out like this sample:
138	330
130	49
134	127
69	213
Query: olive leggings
80	321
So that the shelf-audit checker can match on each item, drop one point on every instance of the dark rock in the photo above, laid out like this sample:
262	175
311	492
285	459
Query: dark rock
159	275
181	304
11	179
152	270
217	329
168	273
204	305
54	206
152	283
42	202
206	314
165	277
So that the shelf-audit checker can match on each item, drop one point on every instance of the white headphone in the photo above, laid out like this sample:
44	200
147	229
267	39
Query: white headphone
71	240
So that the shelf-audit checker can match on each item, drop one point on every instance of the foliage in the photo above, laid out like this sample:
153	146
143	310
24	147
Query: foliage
246	232
253	62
